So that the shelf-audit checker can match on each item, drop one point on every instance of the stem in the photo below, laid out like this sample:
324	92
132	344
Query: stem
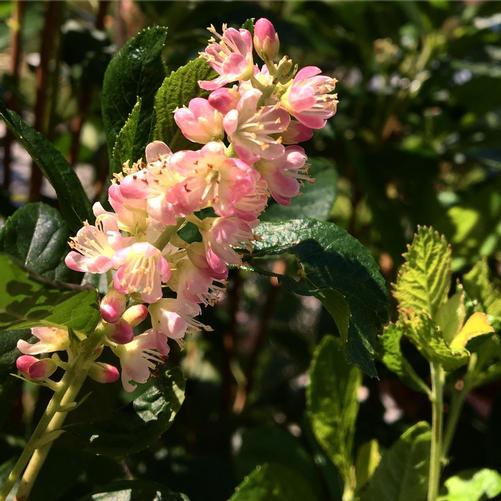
53	418
437	402
166	235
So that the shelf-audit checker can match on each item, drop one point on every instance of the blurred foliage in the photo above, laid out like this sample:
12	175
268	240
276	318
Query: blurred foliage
416	140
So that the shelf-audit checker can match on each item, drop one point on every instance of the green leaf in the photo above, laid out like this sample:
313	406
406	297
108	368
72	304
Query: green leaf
394	359
479	287
423	281
402	472
177	90
27	300
128	144
473	486
332	402
316	199
9	351
429	340
368	458
136	71
451	315
37	236
137	427
73	201
134	490
273	482
337	269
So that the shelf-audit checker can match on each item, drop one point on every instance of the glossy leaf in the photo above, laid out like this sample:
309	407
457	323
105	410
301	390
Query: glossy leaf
424	279
402	472
135	71
273	482
337	269
473	486
37	236
74	204
332	402
26	300
176	91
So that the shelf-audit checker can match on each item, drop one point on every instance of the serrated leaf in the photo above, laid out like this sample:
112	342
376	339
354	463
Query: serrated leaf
36	236
423	281
74	204
27	300
479	287
473	486
177	90
426	335
337	269
132	490
332	402
127	145
394	359
368	459
402	472
135	71
476	325
273	482
125	432
316	199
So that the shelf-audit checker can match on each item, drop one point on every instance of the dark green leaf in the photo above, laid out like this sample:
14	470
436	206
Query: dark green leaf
8	350
338	270
37	236
135	71
176	91
332	402
75	205
316	199
273	482
402	473
27	300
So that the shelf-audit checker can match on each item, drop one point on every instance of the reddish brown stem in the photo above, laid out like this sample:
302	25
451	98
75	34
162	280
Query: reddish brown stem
11	100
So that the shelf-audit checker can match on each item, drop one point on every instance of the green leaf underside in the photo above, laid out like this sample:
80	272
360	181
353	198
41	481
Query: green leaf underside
424	279
128	430
402	472
135	71
273	482
127	142
332	402
394	359
27	300
473	486
134	490
176	91
315	200
74	204
37	236
340	272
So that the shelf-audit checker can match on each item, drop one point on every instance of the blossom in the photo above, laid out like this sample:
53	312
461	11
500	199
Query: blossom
224	99
49	339
35	369
266	40
296	133
230	57
251	128
157	151
103	373
142	269
283	174
200	122
112	306
309	97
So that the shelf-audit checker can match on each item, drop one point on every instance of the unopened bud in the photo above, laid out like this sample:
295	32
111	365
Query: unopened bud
112	306
266	40
103	373
285	70
135	314
121	332
35	369
224	99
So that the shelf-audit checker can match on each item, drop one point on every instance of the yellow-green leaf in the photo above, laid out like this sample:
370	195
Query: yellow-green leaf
477	325
450	316
368	458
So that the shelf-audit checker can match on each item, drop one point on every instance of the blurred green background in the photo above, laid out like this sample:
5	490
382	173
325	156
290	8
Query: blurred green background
416	140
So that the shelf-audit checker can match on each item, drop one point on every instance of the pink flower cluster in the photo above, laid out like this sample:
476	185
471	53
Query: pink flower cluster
249	126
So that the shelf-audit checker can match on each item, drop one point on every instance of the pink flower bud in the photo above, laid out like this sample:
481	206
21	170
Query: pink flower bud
35	369
224	99
121	332
266	40
296	133
135	314
103	373
112	306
